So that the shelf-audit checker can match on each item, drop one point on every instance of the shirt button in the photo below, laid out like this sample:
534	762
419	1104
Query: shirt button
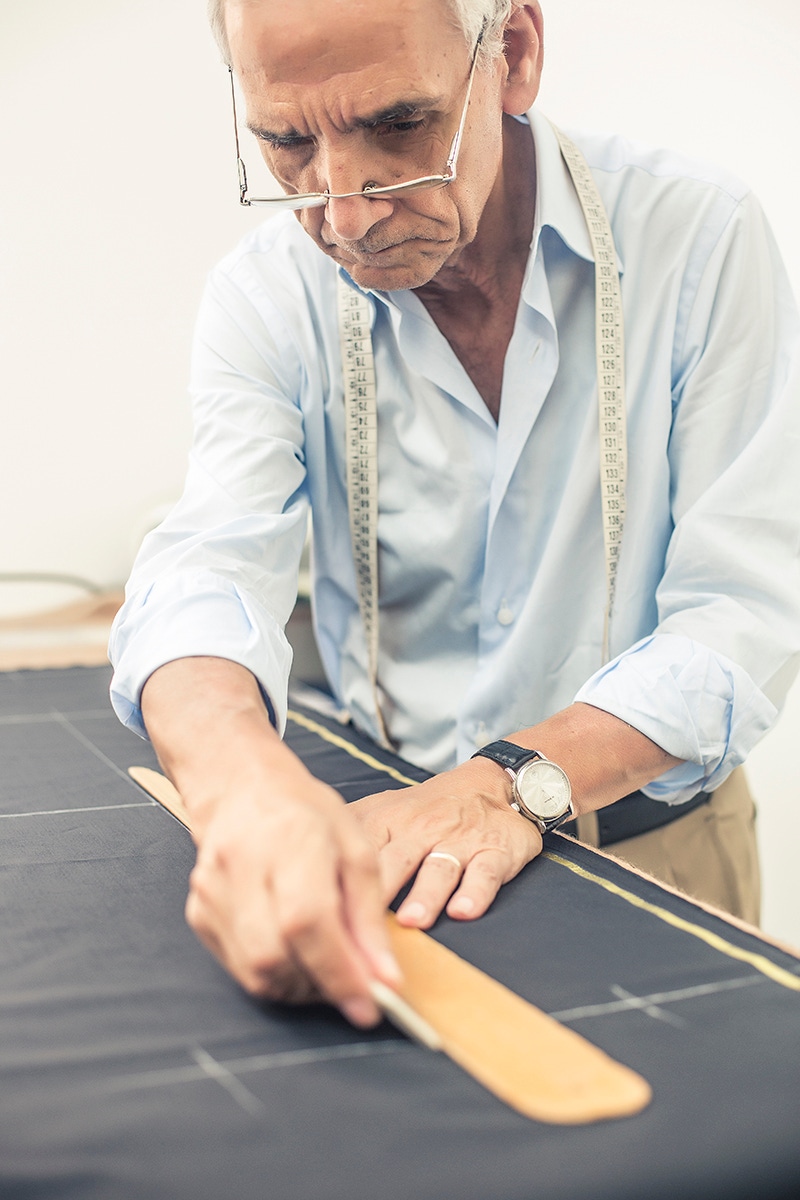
505	616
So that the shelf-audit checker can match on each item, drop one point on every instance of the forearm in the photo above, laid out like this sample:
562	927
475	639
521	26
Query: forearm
604	757
209	725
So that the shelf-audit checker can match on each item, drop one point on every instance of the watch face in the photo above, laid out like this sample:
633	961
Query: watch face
544	789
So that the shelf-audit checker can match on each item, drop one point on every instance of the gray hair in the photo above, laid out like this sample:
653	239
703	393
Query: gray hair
471	17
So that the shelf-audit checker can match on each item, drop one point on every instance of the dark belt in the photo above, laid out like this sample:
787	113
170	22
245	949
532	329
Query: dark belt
636	814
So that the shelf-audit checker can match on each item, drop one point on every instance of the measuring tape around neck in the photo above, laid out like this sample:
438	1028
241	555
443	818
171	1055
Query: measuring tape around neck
361	420
610	353
361	449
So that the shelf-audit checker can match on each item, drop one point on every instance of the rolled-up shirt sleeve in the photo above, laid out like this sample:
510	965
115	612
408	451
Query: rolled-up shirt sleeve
219	576
188	615
708	683
696	704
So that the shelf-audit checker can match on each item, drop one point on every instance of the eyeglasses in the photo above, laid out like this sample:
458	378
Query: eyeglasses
371	191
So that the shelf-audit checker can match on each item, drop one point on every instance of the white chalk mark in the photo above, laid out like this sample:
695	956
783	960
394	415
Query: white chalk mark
226	1078
90	746
656	998
643	1004
88	714
56	812
259	1062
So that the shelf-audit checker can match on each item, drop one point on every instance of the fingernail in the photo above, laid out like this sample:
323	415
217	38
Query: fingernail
412	912
389	968
360	1011
463	907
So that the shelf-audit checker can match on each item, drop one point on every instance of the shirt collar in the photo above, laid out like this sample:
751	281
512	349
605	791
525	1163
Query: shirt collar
557	204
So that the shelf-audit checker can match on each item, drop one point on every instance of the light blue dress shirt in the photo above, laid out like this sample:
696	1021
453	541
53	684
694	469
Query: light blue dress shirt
491	560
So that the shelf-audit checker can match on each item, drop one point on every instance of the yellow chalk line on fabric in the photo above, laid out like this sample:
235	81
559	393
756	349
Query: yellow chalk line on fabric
342	744
758	961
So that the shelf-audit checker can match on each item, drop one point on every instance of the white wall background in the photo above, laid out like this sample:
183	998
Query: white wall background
118	192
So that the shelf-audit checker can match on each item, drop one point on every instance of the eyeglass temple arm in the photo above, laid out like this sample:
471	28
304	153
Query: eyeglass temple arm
456	143
239	162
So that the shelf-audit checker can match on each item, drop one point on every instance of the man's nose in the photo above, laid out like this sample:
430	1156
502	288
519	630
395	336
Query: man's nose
345	170
352	217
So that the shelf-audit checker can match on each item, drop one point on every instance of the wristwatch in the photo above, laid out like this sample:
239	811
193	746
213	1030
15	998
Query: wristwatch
541	789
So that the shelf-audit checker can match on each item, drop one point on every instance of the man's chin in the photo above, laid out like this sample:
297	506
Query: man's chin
398	268
391	279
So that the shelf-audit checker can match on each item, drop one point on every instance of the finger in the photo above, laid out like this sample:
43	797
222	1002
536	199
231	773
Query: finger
316	932
327	955
483	877
399	861
437	879
242	936
364	912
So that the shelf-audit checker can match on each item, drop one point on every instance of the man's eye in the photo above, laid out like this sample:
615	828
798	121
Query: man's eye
402	126
277	141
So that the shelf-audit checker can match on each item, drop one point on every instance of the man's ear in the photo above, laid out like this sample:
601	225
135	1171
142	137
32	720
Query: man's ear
523	50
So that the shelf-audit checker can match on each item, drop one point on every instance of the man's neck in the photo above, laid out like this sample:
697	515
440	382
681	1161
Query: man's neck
499	251
474	299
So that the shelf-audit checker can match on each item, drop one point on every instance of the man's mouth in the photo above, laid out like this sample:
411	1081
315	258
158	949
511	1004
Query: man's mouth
374	253
363	250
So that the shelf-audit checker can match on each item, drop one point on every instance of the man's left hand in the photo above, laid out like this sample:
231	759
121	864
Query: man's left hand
457	832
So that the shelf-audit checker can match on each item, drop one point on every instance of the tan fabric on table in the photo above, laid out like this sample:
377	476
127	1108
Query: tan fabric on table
710	854
74	635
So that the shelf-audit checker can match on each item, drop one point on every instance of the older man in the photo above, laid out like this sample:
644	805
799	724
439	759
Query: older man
432	202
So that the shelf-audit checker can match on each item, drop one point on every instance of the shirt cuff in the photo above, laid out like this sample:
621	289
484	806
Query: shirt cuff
197	614
694	703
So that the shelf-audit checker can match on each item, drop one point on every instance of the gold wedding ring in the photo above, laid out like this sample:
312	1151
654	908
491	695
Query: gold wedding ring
448	857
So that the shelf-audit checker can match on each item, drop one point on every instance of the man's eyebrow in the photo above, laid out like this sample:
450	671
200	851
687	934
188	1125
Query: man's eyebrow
401	110
270	135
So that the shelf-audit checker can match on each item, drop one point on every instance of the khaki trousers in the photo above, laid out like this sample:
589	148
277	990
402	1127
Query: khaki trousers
710	854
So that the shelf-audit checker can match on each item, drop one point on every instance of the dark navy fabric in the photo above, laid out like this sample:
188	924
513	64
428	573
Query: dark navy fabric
133	1068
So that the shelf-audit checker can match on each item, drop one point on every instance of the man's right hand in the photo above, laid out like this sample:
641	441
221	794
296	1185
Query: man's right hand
286	891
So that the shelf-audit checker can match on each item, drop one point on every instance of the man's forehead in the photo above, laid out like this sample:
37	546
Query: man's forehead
309	41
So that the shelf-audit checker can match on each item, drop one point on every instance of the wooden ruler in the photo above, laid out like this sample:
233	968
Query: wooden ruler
524	1057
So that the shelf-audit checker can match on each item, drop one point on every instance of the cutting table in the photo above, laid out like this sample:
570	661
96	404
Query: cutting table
133	1068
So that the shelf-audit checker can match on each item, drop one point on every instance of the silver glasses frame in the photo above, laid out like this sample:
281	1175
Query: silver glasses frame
294	202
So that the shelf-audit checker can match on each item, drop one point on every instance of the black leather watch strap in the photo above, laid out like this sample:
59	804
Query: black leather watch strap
509	756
